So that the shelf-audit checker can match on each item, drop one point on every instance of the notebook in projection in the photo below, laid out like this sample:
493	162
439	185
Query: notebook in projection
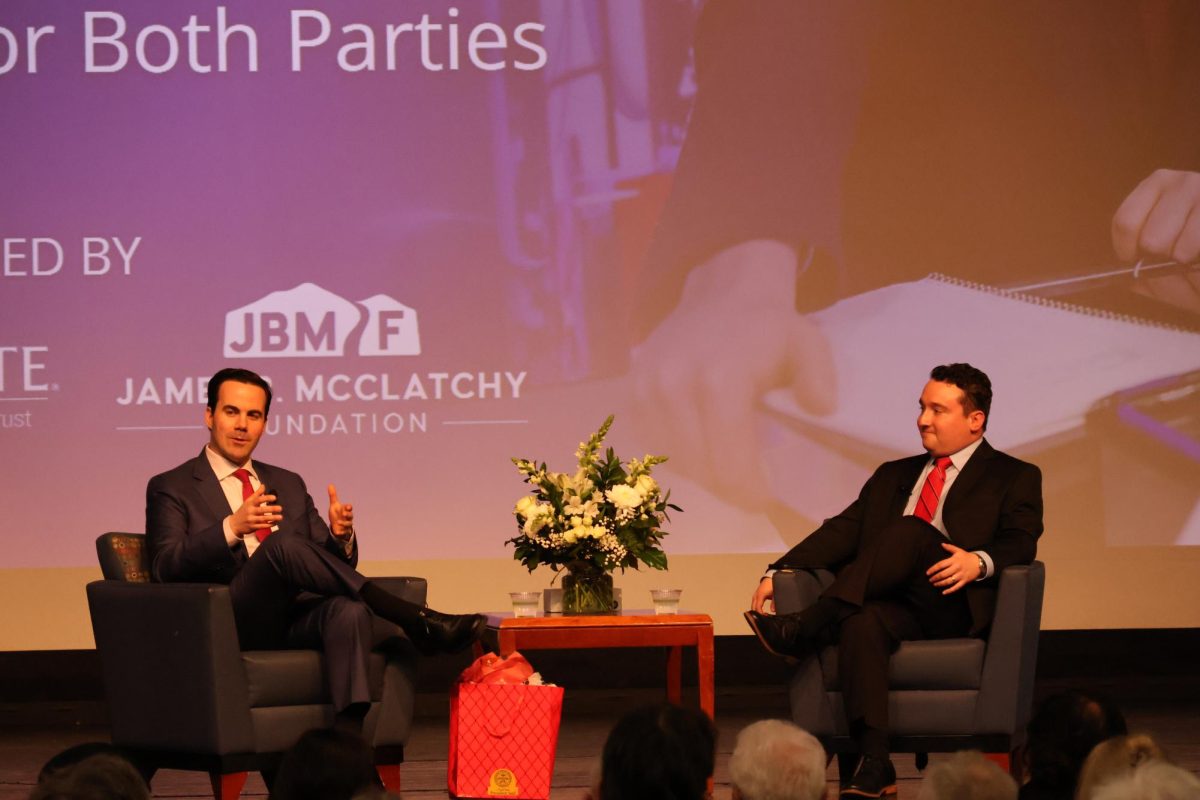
1049	362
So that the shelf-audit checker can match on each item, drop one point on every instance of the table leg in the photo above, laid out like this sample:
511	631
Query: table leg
507	642
704	665
675	674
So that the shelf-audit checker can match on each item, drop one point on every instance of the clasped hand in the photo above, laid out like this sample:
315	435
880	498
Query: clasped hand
256	511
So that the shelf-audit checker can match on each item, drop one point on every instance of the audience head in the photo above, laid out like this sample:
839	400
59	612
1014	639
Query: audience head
1064	729
967	775
1153	780
775	760
103	776
326	764
661	752
1116	758
74	754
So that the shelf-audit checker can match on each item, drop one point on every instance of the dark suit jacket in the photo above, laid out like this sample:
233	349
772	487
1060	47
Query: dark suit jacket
185	509
994	505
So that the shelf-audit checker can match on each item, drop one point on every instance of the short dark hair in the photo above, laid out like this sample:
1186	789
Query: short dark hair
326	764
975	385
664	752
1063	730
237	376
103	776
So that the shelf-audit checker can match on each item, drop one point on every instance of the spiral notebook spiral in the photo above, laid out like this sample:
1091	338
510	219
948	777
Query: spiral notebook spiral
1049	361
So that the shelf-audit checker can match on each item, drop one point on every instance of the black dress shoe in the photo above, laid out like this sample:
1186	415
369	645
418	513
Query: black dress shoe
875	777
446	633
782	634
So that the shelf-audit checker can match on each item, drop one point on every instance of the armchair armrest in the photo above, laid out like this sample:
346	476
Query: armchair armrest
172	666
1006	687
796	590
414	590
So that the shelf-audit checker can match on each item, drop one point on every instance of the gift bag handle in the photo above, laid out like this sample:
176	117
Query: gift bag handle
499	728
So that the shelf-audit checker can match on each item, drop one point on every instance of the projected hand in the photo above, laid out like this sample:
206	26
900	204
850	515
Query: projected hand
1160	218
256	511
734	336
1159	221
341	515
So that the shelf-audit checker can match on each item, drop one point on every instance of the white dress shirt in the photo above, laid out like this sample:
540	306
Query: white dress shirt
223	468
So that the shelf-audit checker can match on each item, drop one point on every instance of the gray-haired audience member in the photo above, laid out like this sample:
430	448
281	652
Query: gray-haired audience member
104	776
775	760
967	775
1154	780
1115	758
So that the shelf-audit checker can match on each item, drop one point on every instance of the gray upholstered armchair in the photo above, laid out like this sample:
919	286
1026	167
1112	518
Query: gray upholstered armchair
946	695
182	695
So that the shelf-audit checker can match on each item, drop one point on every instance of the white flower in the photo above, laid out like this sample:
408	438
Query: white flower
525	505
624	496
647	487
537	516
533	525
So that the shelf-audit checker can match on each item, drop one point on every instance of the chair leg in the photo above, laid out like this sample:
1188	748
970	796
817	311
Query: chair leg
1016	766
846	764
921	760
227	786
390	775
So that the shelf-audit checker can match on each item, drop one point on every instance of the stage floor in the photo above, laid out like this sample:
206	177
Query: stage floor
586	723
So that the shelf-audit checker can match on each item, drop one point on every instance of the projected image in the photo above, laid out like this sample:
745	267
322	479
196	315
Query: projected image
450	234
1013	186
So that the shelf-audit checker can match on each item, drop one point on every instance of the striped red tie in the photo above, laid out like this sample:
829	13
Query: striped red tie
247	490
928	502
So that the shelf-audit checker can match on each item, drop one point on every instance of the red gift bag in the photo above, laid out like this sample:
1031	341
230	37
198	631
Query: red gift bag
503	736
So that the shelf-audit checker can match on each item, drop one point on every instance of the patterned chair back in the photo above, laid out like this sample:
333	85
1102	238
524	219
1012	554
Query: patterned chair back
123	557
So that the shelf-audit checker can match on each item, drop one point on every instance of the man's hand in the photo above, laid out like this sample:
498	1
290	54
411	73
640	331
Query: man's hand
1160	218
762	595
700	375
256	511
341	515
955	572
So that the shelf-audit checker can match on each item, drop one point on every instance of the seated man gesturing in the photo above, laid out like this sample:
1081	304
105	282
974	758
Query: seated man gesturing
223	518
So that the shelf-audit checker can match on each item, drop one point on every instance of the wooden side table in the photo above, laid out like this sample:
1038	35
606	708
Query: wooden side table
629	629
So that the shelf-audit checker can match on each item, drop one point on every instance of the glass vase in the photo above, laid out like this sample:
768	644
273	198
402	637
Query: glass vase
587	589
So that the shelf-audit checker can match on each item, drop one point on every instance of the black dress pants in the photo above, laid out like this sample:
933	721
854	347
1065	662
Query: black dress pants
892	600
294	593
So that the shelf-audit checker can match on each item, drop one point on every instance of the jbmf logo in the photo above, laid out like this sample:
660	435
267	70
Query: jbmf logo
309	321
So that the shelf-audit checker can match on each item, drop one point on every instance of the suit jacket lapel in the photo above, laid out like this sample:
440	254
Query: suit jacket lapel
907	478
974	470
209	488
210	491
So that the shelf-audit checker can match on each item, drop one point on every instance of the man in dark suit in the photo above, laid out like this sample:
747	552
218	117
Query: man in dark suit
916	556
222	518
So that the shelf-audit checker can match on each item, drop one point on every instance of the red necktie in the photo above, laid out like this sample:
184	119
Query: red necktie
928	502
247	490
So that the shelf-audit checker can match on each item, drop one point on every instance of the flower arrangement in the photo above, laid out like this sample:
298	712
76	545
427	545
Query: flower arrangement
607	515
